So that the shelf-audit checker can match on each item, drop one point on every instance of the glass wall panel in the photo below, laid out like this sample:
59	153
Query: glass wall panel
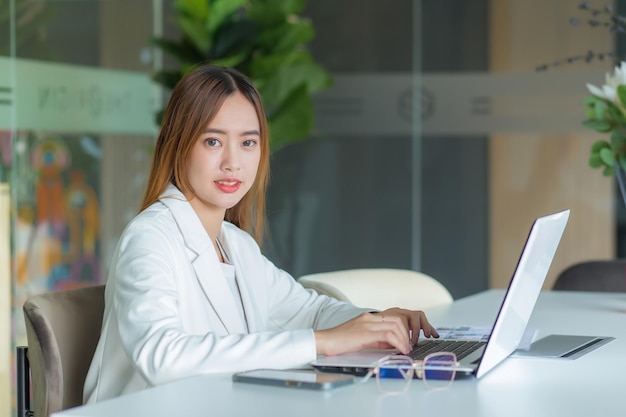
370	190
454	38
77	146
497	143
7	21
343	198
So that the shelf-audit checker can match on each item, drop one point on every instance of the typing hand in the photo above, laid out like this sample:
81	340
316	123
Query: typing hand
393	328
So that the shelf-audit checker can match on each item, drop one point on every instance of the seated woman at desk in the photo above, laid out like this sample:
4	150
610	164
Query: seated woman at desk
189	290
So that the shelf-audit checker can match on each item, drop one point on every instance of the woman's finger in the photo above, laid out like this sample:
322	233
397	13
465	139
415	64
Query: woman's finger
391	329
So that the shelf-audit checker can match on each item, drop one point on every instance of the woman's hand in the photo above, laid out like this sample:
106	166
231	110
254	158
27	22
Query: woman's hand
415	321
387	329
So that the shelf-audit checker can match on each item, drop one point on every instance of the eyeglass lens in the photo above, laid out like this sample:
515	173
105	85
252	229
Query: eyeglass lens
394	375
438	369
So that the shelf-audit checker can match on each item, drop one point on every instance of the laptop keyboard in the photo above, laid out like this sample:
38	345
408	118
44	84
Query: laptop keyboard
461	348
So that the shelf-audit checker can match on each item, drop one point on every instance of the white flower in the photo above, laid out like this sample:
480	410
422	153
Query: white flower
609	90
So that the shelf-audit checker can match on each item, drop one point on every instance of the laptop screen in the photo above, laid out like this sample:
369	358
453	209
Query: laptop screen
524	288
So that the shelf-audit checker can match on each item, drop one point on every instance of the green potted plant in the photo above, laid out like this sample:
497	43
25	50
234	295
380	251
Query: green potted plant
605	110
264	39
605	113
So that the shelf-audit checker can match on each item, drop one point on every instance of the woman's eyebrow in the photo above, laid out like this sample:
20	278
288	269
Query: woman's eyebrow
222	132
251	132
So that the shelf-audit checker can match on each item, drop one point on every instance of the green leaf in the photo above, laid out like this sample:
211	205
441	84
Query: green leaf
266	66
186	68
590	101
286	37
287	76
607	157
271	12
599	110
615	114
195	32
293	121
220	11
598	125
181	51
621	94
618	139
595	161
233	38
230	61
191	16
197	8
608	171
293	6
599	145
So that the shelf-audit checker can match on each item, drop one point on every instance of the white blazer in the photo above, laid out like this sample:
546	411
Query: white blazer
170	313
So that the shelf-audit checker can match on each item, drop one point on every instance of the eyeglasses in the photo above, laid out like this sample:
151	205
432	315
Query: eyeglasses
437	370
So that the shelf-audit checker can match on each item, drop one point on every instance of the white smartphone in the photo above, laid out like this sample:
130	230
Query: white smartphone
300	378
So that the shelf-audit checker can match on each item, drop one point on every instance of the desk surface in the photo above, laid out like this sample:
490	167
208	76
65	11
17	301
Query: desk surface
592	385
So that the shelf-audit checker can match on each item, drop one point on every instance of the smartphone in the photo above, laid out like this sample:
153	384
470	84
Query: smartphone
307	379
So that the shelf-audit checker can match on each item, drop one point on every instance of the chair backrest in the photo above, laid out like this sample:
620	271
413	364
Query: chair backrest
598	275
380	288
62	330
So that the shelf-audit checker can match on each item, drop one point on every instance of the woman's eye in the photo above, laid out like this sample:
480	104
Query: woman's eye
249	143
212	142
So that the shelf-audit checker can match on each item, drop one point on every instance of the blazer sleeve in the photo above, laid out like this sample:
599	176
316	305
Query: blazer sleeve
288	304
295	307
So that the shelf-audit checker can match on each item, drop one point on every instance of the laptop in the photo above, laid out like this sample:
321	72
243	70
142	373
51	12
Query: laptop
480	356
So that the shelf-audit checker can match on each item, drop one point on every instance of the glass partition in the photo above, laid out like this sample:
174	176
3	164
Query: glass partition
7	22
440	142
343	198
76	137
372	189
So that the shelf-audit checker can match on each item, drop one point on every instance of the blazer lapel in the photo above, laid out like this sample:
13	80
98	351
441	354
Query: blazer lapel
217	291
204	260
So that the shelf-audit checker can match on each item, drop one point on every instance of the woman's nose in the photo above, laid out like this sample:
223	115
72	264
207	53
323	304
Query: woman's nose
231	160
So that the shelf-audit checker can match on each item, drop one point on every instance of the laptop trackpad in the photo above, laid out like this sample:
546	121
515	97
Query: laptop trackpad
563	346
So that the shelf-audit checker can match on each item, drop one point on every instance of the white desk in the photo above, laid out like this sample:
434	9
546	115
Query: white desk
593	385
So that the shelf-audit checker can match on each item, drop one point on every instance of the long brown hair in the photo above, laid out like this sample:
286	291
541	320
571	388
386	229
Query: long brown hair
194	102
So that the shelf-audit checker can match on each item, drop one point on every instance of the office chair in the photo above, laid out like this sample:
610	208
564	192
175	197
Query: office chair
62	330
380	288
598	275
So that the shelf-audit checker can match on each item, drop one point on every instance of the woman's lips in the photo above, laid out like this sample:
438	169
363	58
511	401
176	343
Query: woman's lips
228	186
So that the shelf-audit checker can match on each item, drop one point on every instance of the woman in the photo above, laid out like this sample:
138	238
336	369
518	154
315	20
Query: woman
189	290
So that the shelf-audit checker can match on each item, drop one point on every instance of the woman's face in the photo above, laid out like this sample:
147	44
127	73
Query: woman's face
225	158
